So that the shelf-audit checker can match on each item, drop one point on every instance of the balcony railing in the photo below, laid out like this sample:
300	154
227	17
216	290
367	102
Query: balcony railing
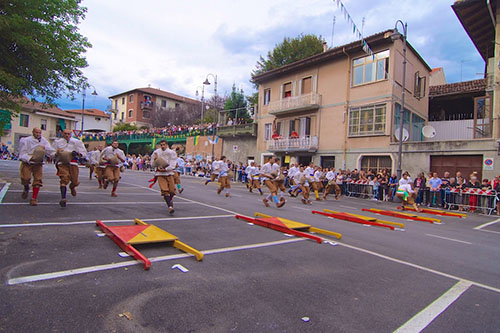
305	143
147	105
237	130
293	104
457	130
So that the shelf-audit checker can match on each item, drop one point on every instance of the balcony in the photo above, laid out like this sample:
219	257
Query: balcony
237	130
460	130
288	105
147	105
305	143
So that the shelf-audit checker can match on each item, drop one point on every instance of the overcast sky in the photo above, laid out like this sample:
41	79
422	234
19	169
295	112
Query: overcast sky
173	45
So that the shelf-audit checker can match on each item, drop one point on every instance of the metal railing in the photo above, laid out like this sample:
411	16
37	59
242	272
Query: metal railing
302	143
296	102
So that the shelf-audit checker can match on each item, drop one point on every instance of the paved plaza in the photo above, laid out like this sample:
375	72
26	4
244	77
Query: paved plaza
60	273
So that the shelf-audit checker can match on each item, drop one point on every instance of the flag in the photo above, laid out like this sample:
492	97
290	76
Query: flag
214	141
154	143
196	139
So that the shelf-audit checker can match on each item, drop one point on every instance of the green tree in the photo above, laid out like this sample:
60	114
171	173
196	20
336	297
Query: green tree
124	127
288	51
41	50
236	101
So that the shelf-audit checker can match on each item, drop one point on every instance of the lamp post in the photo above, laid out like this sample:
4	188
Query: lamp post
94	93
214	128
395	36
202	101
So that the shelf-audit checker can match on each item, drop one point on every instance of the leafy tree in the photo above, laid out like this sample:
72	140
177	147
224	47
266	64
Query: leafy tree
288	51
124	127
186	114
236	101
41	50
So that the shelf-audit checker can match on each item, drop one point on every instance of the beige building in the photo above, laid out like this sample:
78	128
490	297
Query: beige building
340	108
51	120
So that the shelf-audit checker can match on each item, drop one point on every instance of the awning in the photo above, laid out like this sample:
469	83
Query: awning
62	124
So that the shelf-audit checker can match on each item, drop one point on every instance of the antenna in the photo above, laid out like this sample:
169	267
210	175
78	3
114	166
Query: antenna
362	26
333	29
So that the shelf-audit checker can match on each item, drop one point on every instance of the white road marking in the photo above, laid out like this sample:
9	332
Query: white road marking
93	193
478	227
308	209
450	239
4	190
90	269
95	203
348	207
422	268
422	319
44	224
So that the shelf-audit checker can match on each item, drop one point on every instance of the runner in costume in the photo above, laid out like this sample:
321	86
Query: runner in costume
32	150
68	150
165	161
112	157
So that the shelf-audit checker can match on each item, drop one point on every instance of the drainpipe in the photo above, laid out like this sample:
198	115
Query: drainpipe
488	4
346	107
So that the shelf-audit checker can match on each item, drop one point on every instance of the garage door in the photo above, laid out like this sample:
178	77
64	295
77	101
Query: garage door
466	164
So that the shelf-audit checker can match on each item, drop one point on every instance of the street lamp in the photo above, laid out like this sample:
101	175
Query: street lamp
395	36
94	93
214	127
202	100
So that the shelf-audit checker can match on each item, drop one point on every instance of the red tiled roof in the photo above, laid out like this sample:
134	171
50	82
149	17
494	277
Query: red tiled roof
438	69
35	106
90	112
458	88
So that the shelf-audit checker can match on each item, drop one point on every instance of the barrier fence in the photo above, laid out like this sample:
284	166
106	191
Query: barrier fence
471	199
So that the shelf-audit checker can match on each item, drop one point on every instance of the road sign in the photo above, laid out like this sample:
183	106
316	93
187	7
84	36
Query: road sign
235	148
77	133
488	164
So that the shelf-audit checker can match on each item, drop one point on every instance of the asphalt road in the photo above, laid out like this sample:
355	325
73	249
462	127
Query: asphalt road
58	273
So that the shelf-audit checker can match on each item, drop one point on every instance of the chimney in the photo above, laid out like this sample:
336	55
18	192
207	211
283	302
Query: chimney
325	47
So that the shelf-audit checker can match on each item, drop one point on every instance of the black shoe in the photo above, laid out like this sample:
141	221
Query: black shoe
181	190
171	210
24	195
62	203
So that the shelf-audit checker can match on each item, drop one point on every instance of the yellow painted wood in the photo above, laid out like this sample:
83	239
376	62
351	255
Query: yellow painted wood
331	211
289	223
137	221
412	215
186	248
152	234
325	232
363	217
446	212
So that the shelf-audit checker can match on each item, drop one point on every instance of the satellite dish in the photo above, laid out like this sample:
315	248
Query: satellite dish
428	131
406	134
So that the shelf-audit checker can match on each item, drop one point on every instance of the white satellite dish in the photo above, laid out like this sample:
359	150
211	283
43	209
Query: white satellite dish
406	134
428	131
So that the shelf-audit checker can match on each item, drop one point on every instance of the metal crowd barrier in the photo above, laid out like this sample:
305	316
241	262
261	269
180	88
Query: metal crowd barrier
472	199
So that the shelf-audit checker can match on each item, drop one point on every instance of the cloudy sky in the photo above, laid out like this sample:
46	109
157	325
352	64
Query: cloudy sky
173	45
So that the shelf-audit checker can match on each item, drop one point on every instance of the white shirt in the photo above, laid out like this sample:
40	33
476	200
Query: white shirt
170	156
28	144
109	152
330	175
215	167
267	169
94	157
71	145
309	171
298	176
223	168
317	176
292	171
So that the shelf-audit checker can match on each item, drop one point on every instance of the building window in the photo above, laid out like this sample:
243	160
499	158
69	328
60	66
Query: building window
130	98
43	124
370	68
130	112
291	129
123	100
116	104
419	88
123	116
367	120
305	126
412	124
306	85
115	115
146	114
376	163
267	96
177	105
328	162
287	90
24	120
268	129
163	103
